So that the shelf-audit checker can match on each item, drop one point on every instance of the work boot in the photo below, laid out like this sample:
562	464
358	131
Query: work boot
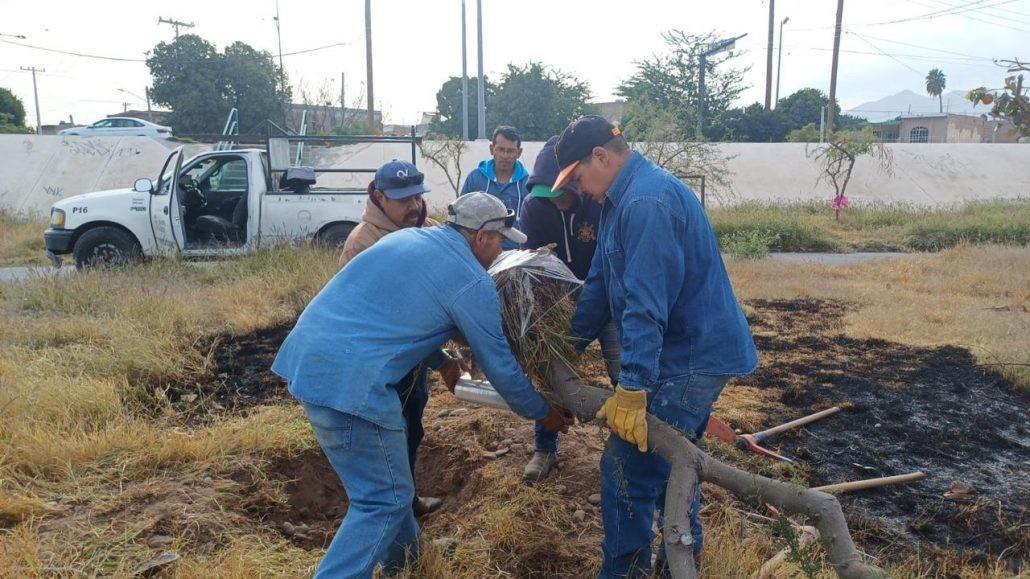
425	505
540	466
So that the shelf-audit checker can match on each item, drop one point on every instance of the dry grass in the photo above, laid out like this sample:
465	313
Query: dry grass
93	461
21	240
976	297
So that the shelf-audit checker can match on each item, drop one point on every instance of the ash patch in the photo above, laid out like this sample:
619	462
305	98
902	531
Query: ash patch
905	409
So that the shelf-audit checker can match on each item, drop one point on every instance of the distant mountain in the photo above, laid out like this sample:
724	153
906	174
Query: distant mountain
909	102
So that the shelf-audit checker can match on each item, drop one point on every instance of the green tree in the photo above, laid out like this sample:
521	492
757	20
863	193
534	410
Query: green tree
806	134
804	106
200	84
448	107
669	81
935	84
751	124
12	107
538	101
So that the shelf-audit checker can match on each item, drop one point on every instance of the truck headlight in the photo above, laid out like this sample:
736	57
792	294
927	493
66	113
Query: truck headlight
57	218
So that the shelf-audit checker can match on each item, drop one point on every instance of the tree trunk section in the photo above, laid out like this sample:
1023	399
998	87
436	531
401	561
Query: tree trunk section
690	465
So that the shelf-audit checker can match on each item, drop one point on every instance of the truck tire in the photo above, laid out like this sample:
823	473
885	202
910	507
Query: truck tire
334	236
106	247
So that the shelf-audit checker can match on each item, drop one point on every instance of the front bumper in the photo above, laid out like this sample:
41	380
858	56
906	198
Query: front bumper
59	241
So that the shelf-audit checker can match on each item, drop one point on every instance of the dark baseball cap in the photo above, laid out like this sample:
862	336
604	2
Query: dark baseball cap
577	141
400	180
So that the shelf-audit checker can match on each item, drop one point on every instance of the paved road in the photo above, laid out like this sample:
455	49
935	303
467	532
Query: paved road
17	274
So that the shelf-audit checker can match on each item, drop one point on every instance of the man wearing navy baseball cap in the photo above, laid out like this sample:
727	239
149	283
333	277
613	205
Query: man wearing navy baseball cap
394	203
657	272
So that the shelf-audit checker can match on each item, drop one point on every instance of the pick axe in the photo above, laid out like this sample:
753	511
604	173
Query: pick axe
720	430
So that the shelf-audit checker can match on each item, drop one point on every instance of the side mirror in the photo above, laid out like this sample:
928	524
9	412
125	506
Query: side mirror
143	185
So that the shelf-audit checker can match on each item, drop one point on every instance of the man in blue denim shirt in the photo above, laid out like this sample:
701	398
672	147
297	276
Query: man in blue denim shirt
658	273
374	321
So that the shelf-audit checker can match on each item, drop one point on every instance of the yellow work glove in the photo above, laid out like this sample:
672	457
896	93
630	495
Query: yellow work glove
626	414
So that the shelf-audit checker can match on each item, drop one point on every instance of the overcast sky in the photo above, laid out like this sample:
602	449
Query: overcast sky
417	44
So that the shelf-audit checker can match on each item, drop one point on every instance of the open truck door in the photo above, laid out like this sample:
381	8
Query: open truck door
165	208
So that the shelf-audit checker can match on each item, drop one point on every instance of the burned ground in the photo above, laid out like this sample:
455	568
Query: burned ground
905	409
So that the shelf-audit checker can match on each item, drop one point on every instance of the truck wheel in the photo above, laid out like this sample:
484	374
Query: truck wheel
106	247
334	236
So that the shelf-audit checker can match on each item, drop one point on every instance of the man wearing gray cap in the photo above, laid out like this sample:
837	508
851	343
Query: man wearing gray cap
374	321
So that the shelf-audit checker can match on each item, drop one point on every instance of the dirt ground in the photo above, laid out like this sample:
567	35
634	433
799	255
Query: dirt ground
905	409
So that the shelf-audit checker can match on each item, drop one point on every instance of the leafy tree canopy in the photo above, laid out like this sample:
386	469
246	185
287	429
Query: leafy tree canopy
669	81
201	85
11	106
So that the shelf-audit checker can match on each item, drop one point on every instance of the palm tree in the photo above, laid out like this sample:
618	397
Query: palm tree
935	83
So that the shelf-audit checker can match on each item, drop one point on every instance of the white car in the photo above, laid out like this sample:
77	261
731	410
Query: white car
121	127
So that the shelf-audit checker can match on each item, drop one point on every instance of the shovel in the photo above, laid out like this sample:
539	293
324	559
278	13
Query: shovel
752	441
719	430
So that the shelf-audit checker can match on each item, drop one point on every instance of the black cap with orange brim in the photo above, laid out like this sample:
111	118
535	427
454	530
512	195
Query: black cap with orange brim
577	141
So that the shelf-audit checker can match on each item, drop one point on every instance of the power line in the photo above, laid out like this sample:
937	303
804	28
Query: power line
317	48
70	53
969	7
120	59
970	56
885	53
998	24
985	12
924	58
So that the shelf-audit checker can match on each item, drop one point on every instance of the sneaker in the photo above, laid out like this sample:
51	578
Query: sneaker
540	466
425	505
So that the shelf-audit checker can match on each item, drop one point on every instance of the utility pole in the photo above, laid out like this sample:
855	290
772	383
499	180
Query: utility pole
779	62
368	65
343	93
35	95
768	55
282	71
176	23
464	78
482	81
831	109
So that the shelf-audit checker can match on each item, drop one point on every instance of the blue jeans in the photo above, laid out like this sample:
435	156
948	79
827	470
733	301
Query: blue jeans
611	352
414	392
371	461
633	482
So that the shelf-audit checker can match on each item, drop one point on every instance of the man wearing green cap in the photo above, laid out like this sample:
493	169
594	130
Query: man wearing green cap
566	220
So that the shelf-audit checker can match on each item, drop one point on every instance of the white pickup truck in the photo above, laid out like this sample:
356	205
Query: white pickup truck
217	204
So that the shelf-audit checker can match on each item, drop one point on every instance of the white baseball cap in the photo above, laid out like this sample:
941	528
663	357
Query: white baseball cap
479	210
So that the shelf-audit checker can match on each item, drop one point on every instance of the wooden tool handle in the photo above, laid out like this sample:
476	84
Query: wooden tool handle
759	436
871	483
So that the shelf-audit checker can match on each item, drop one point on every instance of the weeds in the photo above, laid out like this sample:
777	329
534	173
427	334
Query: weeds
21	240
883	227
751	244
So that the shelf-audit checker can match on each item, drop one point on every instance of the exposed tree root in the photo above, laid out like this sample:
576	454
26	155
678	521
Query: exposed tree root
690	464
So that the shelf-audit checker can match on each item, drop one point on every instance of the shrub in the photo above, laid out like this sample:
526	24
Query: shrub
749	244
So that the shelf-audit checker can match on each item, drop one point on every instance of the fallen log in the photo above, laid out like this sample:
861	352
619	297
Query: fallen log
690	465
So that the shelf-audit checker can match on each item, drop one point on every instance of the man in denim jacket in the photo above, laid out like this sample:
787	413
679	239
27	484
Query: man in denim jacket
658	274
368	327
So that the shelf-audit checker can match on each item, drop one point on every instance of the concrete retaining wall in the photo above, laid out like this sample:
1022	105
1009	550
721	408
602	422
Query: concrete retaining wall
37	170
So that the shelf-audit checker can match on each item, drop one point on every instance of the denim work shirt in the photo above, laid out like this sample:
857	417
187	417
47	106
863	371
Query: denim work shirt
658	273
394	304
